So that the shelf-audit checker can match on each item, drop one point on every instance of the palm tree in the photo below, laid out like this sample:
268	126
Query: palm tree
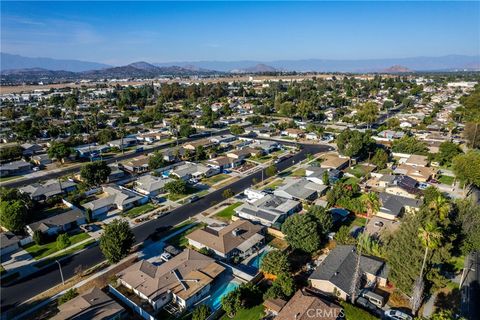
372	204
440	206
430	235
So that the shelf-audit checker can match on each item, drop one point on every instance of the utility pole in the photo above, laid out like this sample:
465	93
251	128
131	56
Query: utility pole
61	273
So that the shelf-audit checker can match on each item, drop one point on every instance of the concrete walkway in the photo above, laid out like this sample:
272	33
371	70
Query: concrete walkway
429	306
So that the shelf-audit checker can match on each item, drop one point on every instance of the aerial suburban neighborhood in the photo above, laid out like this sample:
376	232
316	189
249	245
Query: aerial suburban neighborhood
163	192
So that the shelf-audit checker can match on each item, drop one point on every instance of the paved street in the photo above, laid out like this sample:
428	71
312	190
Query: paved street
471	287
27	288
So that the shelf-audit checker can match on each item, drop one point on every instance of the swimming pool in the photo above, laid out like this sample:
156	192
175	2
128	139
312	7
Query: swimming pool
255	262
220	290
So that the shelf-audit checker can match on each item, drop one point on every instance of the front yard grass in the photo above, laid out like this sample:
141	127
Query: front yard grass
138	211
354	313
176	197
273	185
446	180
254	313
227	213
300	172
41	251
215	179
179	240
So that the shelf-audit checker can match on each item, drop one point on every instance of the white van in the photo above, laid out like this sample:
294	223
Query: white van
374	298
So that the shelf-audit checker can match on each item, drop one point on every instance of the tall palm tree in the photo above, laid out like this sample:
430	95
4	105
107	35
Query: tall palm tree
440	206
430	235
372	204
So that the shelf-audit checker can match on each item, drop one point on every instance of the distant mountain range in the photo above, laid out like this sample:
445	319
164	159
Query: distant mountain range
14	61
15	68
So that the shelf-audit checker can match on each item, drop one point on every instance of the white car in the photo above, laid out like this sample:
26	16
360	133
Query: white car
397	315
36	169
166	256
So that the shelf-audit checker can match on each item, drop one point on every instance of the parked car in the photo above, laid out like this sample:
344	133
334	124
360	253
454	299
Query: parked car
368	306
36	169
165	256
397	315
423	186
434	181
193	198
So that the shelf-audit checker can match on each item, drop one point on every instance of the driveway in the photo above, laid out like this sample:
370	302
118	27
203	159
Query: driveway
375	231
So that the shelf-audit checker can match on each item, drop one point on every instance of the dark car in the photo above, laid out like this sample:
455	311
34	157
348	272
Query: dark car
368	306
194	198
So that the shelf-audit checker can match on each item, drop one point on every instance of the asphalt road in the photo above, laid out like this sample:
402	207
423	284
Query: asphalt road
68	170
471	288
45	279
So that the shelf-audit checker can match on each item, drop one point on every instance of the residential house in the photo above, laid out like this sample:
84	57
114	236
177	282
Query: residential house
15	168
419	173
334	161
93	304
312	136
305	306
115	173
336	273
300	189
30	149
241	238
223	139
9	243
293	133
269	211
267	146
62	222
150	185
91	150
192	145
137	165
393	206
175	154
415	160
242	154
48	189
390	134
123	143
190	170
404	186
183	281
41	160
222	162
253	194
115	197
316	174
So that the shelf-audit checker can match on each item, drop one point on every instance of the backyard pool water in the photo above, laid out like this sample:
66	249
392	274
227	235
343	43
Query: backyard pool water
220	290
255	262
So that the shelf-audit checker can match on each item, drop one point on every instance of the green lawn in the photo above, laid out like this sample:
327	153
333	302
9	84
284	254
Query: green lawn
138	211
446	180
358	171
41	251
350	180
179	240
175	197
354	313
64	254
255	313
227	213
273	185
359	221
215	179
300	172
262	159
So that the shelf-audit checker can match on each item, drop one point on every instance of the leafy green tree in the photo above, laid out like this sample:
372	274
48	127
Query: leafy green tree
409	145
380	159
186	130
270	171
430	194
201	312
471	132
325	178
236	129
106	135
63	241
440	207
353	143
286	282
95	173
468	218
275	262
88	215
176	186
227	193
59	151
116	240
38	237
11	153
368	113
447	151
467	167
298	232
69	295
323	219
156	161
343	236
13	215
232	302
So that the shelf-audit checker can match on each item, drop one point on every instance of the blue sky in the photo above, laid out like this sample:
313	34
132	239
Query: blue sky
124	32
